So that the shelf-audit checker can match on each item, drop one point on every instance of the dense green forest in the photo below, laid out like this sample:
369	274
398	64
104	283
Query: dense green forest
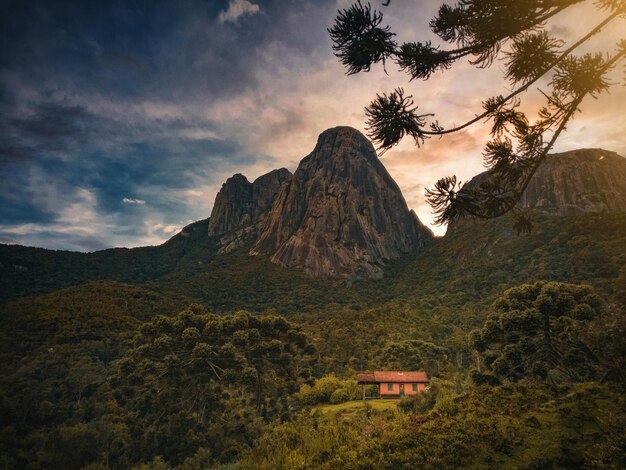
175	357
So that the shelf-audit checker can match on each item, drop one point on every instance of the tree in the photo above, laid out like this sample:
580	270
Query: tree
536	331
482	31
198	384
415	355
607	339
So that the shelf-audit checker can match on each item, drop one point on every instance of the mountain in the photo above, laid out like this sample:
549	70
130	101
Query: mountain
94	357
575	182
92	351
340	214
579	181
583	181
241	208
586	247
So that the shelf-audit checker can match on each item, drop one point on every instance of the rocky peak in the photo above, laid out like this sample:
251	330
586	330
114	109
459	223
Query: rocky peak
233	205
341	213
265	189
241	207
575	182
579	181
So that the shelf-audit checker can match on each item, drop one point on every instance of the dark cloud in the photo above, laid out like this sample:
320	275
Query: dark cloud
11	151
56	152
55	127
49	128
138	48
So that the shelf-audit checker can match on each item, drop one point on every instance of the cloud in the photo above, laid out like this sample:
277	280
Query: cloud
139	202
199	134
236	9
48	127
169	229
76	223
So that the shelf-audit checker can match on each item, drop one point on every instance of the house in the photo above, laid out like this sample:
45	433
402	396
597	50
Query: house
393	384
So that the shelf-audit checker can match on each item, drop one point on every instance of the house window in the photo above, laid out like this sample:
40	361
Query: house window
390	387
415	387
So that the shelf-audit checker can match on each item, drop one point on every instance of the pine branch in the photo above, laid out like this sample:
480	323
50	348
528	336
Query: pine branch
538	160
525	87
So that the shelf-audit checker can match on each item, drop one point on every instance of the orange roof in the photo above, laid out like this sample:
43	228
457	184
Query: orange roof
383	376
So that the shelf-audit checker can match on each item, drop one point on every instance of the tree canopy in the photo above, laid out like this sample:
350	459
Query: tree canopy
202	382
483	31
536	331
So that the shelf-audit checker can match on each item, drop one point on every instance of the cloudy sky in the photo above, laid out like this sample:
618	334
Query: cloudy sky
120	120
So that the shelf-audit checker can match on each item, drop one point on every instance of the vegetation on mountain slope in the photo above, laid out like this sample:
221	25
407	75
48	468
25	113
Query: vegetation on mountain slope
529	425
82	367
192	387
28	271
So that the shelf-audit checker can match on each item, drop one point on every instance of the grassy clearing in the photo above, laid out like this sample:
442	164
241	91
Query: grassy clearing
353	406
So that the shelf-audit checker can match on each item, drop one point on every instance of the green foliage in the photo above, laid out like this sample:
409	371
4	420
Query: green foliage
535	332
519	426
419	403
414	355
187	389
28	271
467	269
56	354
329	389
196	376
82	366
610	452
606	338
445	404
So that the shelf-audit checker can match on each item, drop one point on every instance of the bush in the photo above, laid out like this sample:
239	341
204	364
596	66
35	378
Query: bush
445	404
483	379
341	395
329	389
419	403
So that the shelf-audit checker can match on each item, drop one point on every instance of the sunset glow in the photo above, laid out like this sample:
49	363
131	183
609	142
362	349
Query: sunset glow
120	123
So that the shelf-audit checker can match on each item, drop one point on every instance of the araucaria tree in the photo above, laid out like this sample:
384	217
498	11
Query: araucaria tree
538	331
482	31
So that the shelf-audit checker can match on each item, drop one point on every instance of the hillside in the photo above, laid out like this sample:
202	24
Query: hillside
148	355
26	271
438	294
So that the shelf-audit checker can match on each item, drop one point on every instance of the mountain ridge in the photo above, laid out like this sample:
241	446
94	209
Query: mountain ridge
241	207
580	181
340	213
193	258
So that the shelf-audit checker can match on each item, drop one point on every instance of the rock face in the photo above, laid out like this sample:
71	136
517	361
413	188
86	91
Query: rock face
580	181
574	182
341	214
241	208
233	206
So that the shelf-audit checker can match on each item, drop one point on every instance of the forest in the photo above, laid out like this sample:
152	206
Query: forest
191	360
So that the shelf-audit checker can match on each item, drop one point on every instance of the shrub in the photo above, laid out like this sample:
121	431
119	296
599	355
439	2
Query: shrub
341	395
329	389
445	404
419	403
